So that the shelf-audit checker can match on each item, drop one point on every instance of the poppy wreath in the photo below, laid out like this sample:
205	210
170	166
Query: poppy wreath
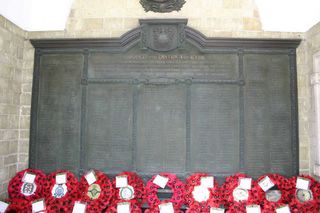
134	207
19	205
135	181
310	205
255	195
176	186
214	193
97	195
66	201
52	208
239	207
17	186
155	209
282	184
197	207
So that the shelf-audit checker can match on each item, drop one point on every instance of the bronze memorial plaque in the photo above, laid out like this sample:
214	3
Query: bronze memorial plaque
163	97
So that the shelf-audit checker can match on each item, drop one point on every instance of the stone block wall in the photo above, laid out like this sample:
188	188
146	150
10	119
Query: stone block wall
122	15
11	65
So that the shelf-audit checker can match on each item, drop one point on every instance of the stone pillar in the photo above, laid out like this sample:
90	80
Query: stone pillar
315	82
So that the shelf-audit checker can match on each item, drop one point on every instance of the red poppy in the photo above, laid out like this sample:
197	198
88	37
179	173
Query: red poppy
230	189
198	208
17	189
135	187
19	205
177	187
273	199
239	207
61	196
97	195
134	208
304	201
155	209
213	198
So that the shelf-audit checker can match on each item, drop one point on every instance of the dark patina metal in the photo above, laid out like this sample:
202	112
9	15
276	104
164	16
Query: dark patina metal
167	36
164	97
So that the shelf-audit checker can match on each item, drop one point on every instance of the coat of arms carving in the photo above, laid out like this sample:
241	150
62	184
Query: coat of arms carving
162	6
163	36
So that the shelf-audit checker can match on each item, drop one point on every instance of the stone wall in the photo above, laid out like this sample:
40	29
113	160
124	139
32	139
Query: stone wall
120	16
312	78
219	18
304	104
11	66
96	19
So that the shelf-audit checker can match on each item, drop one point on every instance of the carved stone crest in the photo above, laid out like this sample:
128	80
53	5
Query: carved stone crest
162	6
165	35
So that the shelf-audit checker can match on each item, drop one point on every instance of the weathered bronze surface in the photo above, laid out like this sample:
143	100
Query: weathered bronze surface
165	98
162	37
162	6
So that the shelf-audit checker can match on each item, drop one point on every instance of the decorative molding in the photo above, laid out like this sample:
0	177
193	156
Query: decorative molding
162	6
124	42
191	35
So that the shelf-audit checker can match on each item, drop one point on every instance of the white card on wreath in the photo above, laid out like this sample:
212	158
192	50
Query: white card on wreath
216	210
266	184
302	183
283	209
3	206
201	193
90	177
123	208
253	209
245	183
161	181
38	206
121	181
166	208
207	181
79	208
28	177
61	178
